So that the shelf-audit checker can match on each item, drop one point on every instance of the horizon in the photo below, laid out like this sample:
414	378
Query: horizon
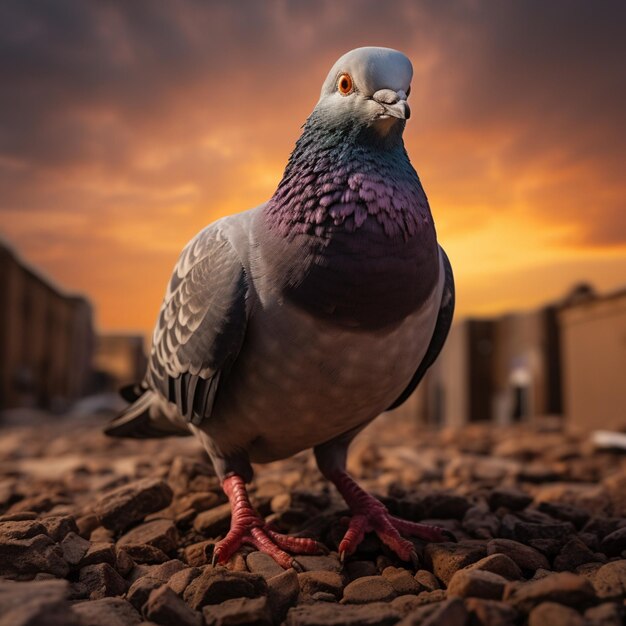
115	151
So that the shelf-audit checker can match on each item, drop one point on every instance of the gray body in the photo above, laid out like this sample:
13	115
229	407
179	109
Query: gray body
294	324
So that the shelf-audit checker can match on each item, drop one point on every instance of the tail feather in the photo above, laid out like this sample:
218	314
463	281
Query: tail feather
147	418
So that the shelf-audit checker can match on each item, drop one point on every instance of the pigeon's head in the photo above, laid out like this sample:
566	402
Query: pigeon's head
368	87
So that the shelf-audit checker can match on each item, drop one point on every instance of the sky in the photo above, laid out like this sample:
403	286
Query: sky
126	127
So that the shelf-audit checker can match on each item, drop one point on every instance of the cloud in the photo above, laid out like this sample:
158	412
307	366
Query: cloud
127	126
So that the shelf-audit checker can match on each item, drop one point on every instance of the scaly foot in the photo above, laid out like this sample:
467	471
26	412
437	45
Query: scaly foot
371	515
247	526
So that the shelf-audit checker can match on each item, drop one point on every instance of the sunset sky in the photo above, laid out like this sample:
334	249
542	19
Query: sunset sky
126	126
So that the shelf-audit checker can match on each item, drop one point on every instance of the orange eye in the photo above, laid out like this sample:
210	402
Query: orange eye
344	84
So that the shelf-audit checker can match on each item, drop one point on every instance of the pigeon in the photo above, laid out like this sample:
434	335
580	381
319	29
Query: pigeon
294	324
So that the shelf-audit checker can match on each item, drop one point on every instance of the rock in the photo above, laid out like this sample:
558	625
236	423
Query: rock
368	589
181	580
144	553
374	614
123	563
497	564
477	584
610	580
573	554
126	505
512	499
23	558
490	612
213	522
198	554
248	611
565	512
614	543
99	552
563	588
527	558
58	526
263	564
356	569
101	581
319	563
449	613
440	505
555	615
74	548
160	533
312	582
142	587
480	522
283	591
87	524
427	580
525	532
216	585
21	529
106	612
39	603
447	558
402	581
606	614
165	608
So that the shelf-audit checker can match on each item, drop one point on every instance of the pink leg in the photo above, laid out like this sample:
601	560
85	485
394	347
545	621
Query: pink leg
247	526
371	515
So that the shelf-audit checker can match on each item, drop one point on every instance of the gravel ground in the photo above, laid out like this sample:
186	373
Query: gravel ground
101	532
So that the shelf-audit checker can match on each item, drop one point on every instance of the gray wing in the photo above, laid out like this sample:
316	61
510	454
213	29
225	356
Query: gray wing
202	324
442	327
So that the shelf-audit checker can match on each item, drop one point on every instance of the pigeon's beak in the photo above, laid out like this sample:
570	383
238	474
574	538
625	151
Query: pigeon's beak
394	104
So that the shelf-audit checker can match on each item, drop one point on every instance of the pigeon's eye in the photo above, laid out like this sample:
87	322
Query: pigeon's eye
344	84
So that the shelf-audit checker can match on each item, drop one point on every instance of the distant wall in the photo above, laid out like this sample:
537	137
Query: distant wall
593	354
46	339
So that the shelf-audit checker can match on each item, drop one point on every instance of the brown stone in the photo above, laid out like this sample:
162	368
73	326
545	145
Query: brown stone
553	614
215	585
368	589
498	564
609	581
74	548
23	558
123	563
248	611
312	582
165	608
144	553
181	580
141	588
401	580
614	543
606	614
37	603
356	569
374	614
99	552
527	558
58	526
21	529
490	612
319	563
563	588
213	522
106	612
283	591
427	580
87	524
198	554
447	558
160	533
263	564
101	581
128	504
477	584
512	499
450	612
573	554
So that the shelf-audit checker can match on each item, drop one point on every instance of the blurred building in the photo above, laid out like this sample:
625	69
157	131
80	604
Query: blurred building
46	339
119	359
594	361
566	358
